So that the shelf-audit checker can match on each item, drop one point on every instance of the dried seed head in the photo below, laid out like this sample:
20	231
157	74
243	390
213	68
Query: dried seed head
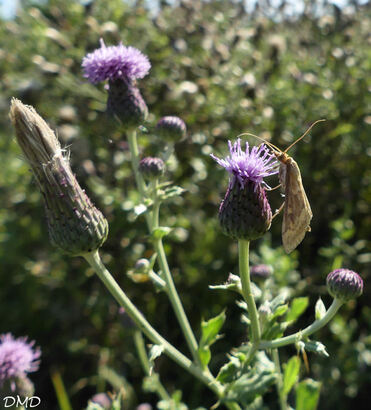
75	225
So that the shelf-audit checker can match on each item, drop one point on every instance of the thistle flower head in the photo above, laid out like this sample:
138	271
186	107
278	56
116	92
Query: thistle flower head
75	225
245	166
115	62
171	128
245	212
17	357
344	284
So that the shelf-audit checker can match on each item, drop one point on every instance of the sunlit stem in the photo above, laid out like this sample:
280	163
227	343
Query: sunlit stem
316	325
279	383
94	260
243	252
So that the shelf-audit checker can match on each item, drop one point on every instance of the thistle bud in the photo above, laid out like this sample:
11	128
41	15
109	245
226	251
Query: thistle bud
171	128
245	212
126	103
344	284
261	272
75	225
151	167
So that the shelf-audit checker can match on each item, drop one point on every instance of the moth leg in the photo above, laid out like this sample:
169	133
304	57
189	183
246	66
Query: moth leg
275	187
278	211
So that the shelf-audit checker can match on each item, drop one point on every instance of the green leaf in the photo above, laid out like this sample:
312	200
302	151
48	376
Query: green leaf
172	192
280	311
307	394
297	308
291	374
320	309
210	329
160	232
229	371
209	335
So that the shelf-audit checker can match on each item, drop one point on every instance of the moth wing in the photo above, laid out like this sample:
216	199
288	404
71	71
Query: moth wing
297	212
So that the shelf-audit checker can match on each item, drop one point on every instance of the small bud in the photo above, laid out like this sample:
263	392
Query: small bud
151	168
102	399
142	265
261	271
245	212
126	103
75	225
344	284
171	128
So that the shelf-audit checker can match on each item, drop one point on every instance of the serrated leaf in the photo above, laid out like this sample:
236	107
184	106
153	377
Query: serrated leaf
229	371
277	301
160	232
307	394
320	309
297	308
291	374
209	335
210	329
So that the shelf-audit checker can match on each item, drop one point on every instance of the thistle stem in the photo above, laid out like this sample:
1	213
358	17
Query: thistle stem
104	275
142	353
316	325
243	252
282	396
152	223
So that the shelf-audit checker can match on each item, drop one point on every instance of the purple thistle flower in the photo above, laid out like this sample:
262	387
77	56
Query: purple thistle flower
245	212
17	357
114	63
248	166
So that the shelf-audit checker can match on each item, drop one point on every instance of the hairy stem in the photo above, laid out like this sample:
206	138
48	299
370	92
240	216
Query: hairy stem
316	325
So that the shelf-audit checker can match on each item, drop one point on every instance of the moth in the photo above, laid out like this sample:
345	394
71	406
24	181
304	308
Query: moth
297	212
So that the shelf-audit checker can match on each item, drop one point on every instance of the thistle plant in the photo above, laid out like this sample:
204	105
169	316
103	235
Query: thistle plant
78	228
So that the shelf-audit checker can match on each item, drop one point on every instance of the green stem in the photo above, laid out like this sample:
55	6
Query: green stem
142	187
279	383
176	302
94	260
243	252
316	325
142	353
153	222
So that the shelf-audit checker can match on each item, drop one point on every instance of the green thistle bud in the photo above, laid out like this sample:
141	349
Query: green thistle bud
344	284
151	167
75	225
126	103
171	128
245	212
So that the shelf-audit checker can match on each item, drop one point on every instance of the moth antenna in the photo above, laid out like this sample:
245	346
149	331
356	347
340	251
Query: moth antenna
259	138
305	133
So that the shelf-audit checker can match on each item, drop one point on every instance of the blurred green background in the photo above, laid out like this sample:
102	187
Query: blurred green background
224	69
